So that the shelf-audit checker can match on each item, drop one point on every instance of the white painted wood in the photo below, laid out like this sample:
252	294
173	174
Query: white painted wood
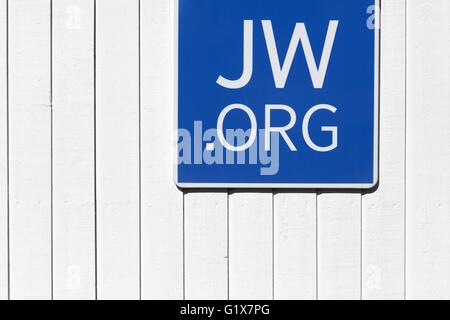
162	202
206	246
117	148
3	155
250	246
428	150
384	210
30	149
73	150
295	246
272	247
339	246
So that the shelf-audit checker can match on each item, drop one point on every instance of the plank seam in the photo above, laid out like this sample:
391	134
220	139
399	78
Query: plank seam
405	150
228	244
273	245
184	247
7	154
361	245
51	152
95	151
317	245
140	150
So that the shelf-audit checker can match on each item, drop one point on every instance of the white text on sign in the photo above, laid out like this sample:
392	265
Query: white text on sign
280	73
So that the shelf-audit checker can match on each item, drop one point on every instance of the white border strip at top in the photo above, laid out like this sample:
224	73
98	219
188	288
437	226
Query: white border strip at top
377	31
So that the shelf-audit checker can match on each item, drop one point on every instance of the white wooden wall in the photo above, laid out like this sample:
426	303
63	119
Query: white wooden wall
88	208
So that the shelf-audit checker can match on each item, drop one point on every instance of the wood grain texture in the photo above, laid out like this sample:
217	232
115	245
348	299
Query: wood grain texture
3	154
339	246
30	149
251	245
428	150
294	245
73	150
117	148
162	202
206	246
383	211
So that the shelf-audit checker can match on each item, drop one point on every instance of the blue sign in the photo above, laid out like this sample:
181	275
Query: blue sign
277	93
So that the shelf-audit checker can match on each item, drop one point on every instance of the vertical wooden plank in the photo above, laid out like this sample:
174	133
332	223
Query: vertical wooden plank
162	202
251	246
206	246
73	150
3	154
295	245
30	149
384	209
117	148
428	150
339	246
